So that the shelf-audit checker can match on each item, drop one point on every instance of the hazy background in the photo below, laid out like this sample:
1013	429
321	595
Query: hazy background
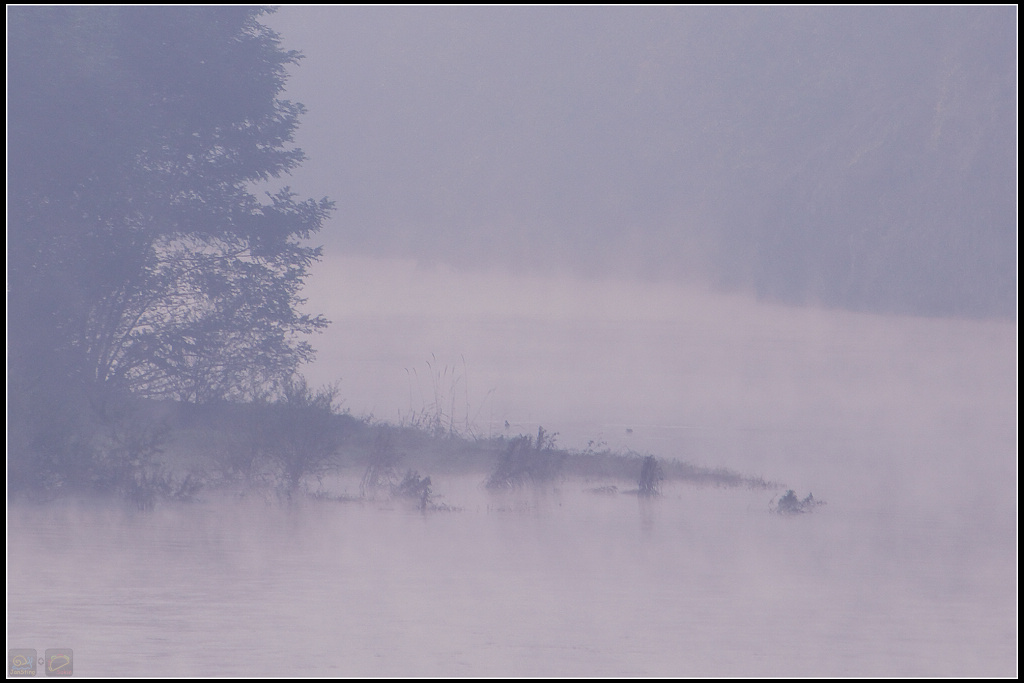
684	218
855	157
777	240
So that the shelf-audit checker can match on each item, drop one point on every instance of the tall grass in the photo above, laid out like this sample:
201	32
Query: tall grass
446	390
439	401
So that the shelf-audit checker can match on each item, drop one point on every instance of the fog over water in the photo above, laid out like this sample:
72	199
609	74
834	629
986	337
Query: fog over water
905	426
676	365
773	241
701	582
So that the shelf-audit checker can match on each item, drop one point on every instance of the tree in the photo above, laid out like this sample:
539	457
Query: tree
140	258
137	249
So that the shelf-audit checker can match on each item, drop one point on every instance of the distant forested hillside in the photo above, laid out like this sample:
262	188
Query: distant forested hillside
861	157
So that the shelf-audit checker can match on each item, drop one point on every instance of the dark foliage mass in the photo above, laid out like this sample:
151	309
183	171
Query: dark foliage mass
140	261
527	461
789	504
651	476
154	298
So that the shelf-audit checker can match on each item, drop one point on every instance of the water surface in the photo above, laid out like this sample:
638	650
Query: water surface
906	426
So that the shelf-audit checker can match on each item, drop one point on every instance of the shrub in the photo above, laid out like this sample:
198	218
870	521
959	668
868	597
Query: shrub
380	469
789	504
651	476
126	448
301	432
527	461
413	487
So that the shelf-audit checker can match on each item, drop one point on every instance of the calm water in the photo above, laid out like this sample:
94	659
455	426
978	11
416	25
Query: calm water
906	427
702	582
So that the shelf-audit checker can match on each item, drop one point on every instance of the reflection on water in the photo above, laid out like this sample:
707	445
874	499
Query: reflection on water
700	582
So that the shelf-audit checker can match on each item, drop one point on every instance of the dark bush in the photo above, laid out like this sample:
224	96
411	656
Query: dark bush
301	432
525	461
413	487
651	476
789	504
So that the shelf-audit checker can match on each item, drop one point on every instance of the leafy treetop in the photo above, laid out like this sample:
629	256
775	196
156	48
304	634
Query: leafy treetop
139	257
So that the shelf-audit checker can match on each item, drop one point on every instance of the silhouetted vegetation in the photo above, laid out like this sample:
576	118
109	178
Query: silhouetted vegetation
527	461
299	432
154	302
140	263
789	504
380	474
301	443
651	476
414	487
607	464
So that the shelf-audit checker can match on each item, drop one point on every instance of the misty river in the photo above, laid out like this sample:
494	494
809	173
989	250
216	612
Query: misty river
905	426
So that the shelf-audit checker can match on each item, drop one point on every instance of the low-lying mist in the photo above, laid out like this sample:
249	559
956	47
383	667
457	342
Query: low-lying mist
906	427
655	393
803	395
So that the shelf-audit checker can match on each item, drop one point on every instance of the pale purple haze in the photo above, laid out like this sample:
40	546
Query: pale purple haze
645	230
